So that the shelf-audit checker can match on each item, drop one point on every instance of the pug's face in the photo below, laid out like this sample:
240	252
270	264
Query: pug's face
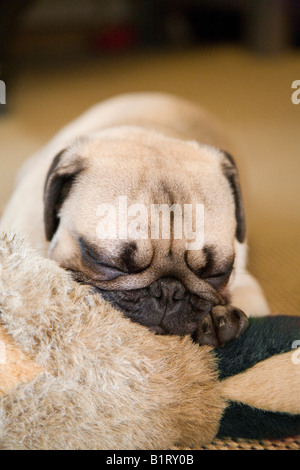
104	197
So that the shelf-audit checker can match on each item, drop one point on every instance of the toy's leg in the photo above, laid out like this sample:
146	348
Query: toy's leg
247	295
260	379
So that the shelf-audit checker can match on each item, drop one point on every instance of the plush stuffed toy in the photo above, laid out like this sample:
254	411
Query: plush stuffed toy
76	374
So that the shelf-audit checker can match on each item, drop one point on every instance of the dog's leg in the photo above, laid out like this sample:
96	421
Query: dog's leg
245	291
247	295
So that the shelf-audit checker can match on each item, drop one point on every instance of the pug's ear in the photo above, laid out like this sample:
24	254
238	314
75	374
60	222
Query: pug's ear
231	173
60	178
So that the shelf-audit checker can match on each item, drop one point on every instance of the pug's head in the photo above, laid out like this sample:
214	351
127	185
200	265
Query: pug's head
105	200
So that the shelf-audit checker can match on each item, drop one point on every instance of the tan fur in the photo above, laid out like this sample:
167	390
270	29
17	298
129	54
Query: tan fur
161	136
271	385
15	366
107	383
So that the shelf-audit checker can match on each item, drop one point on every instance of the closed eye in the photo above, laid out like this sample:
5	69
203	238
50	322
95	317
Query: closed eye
213	270
92	260
217	279
101	263
218	275
109	272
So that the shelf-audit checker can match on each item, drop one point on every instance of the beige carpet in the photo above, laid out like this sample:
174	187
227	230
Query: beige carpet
252	95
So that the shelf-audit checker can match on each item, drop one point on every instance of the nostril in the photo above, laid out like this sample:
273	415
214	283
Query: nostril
167	288
194	300
155	290
179	293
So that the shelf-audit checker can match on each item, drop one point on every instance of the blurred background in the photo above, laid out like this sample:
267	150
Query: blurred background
237	58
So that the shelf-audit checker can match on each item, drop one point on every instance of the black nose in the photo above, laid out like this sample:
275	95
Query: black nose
167	289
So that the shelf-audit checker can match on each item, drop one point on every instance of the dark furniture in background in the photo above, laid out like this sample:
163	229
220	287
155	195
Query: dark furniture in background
265	26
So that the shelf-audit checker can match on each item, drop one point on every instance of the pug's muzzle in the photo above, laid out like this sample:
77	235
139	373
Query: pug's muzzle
165	307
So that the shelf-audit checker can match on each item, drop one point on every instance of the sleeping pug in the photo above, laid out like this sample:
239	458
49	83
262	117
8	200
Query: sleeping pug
95	199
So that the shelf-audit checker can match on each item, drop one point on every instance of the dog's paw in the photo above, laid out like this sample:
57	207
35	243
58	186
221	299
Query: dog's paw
222	325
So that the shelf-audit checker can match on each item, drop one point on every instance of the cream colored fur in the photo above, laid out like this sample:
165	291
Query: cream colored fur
102	382
270	385
157	114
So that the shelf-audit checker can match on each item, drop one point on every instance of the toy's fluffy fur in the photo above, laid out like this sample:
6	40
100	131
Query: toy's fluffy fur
106	383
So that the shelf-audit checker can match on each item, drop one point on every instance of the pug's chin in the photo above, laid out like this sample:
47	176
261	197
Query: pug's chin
160	330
